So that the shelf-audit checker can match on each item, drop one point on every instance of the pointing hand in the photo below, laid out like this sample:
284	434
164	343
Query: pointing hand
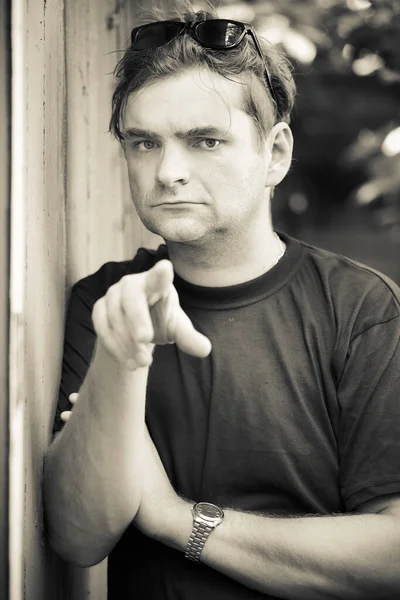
142	310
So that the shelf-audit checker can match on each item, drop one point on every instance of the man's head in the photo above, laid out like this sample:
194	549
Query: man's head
202	136
139	68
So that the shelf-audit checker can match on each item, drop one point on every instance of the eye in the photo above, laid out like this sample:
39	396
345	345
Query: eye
144	145
208	143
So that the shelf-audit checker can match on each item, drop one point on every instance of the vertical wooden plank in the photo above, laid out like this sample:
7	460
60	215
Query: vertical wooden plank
102	224
45	280
95	206
5	166
46	249
38	284
17	303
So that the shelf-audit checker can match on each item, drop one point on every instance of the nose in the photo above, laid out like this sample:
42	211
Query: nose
173	166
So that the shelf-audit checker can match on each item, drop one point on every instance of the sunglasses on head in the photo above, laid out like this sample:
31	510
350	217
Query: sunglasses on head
216	34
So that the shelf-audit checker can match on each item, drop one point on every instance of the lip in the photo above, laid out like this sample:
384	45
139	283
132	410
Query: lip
178	203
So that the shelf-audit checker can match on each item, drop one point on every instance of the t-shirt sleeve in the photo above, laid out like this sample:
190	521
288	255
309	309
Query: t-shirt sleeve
79	336
79	343
369	399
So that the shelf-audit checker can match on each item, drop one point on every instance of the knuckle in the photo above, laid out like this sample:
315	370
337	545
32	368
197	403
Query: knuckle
98	313
112	291
101	322
140	328
130	289
131	280
112	296
145	335
113	348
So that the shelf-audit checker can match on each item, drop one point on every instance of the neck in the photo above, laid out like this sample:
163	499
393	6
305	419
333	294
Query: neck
219	263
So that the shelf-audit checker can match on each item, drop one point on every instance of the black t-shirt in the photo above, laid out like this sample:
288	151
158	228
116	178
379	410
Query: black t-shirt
296	411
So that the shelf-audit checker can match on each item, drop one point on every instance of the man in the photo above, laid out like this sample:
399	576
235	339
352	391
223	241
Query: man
237	429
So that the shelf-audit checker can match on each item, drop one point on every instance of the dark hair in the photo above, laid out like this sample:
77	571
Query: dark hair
137	68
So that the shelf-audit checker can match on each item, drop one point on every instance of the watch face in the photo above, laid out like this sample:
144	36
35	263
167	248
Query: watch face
208	511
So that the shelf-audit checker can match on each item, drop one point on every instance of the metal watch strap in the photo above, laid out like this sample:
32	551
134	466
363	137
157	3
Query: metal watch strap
197	539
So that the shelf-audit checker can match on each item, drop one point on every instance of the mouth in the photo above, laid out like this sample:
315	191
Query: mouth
178	203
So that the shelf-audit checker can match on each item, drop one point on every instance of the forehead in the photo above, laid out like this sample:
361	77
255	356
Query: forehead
193	98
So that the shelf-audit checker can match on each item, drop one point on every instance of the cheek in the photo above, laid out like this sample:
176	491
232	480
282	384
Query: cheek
139	179
222	173
236	177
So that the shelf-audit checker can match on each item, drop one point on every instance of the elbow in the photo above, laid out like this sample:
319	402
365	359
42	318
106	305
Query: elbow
69	541
79	531
77	554
79	545
76	544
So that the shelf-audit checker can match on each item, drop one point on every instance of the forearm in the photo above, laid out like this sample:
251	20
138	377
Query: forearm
312	558
92	479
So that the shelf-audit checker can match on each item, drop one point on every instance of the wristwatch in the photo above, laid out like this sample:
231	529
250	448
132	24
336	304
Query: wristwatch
206	517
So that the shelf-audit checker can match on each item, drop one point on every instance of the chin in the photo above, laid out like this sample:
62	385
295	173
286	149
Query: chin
183	232
180	237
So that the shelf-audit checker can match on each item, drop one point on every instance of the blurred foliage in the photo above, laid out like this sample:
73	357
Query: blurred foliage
346	57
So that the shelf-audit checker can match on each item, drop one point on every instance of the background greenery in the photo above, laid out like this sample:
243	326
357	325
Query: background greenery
343	192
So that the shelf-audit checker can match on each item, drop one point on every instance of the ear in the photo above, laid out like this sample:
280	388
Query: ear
278	153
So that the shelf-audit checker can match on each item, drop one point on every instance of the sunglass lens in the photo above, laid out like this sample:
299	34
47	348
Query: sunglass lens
219	33
155	35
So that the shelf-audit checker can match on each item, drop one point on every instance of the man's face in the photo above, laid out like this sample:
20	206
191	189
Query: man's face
194	161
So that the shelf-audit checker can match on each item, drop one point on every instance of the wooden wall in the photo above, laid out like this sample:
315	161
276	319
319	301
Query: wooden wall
71	212
38	260
5	116
101	221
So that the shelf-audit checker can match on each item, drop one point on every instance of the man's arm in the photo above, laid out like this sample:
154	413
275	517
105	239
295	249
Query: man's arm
93	469
355	556
343	557
92	480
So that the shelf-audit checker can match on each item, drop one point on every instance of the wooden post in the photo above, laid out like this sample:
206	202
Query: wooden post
37	285
5	166
101	222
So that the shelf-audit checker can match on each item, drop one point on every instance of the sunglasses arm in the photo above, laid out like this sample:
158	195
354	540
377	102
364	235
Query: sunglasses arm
251	31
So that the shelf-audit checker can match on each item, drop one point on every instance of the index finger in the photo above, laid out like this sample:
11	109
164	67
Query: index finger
158	281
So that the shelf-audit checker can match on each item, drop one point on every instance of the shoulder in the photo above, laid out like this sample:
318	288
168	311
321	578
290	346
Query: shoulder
357	292
95	285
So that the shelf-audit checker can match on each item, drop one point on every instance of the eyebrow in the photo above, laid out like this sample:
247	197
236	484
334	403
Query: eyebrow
195	132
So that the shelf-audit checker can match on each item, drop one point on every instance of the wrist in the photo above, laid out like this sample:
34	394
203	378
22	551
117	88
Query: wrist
104	359
113	390
178	524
